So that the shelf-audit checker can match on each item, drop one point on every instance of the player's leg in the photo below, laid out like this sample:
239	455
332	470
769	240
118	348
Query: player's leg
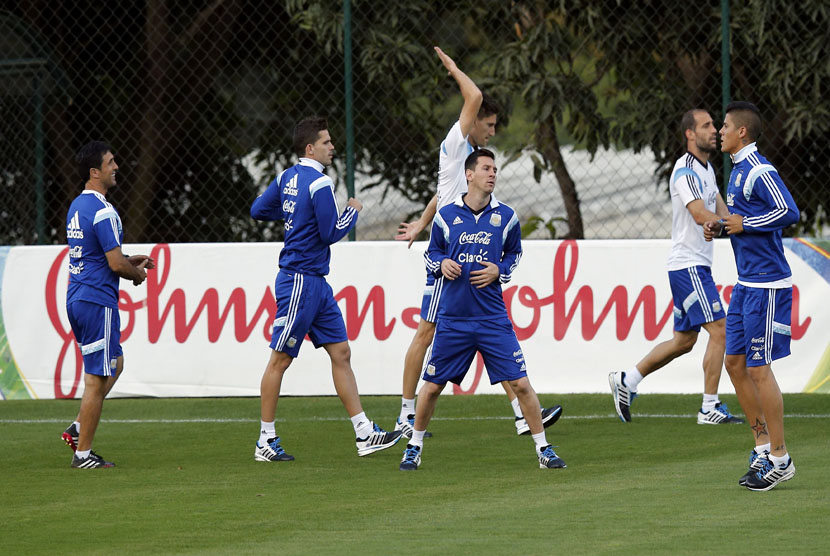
417	352
713	411
453	350
296	305
767	318
328	330
504	360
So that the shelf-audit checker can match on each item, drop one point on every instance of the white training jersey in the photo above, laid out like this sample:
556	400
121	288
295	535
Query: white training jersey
452	180
690	180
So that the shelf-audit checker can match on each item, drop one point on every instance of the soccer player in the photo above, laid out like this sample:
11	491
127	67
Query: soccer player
695	200
303	197
96	262
474	128
760	311
474	247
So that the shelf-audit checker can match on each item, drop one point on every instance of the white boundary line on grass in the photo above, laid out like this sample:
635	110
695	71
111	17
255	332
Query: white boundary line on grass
611	416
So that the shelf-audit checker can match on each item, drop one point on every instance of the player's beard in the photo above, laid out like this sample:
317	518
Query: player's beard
706	148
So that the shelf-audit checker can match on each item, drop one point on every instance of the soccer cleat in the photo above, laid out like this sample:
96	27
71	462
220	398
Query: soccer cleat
378	440
755	464
549	460
720	414
70	436
408	426
272	451
411	458
549	417
623	396
770	475
92	461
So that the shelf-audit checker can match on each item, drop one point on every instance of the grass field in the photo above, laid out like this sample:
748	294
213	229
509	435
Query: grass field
186	482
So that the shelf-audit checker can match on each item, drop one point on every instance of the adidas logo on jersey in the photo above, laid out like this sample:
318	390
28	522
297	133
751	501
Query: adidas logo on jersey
457	221
756	357
291	187
73	229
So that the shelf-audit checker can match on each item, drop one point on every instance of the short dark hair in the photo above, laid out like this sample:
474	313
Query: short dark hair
488	107
90	156
746	115
472	158
688	121
307	131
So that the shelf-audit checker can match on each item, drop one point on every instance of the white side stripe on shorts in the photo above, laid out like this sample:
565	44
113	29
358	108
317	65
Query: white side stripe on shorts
107	335
768	330
432	311
293	305
701	295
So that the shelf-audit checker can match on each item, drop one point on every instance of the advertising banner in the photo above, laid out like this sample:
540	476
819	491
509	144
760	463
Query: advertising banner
201	323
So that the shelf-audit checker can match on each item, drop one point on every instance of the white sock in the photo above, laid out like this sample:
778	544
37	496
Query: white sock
709	402
266	432
762	448
362	425
81	454
407	408
780	462
417	438
632	379
517	409
540	441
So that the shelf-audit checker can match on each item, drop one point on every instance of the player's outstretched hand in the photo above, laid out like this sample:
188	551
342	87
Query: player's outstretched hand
483	277
355	204
408	231
136	260
142	275
446	60
711	229
450	269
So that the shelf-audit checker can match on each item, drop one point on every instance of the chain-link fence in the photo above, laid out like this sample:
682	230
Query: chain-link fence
198	99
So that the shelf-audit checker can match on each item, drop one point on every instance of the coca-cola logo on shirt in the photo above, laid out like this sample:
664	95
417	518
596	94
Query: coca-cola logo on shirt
478	237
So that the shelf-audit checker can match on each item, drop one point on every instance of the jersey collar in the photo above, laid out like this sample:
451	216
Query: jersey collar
459	201
312	163
91	192
743	153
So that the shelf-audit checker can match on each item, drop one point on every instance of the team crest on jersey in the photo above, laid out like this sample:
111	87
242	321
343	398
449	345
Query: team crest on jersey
738	180
495	220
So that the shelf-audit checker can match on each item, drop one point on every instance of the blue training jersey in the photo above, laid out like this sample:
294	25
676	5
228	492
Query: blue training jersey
93	227
757	192
303	196
494	235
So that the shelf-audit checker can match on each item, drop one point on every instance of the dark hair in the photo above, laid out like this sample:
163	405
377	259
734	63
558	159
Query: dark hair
688	121
90	156
746	115
472	159
488	107
307	131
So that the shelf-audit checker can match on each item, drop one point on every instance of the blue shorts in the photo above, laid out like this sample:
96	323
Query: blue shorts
305	305
432	296
97	330
758	324
457	341
696	299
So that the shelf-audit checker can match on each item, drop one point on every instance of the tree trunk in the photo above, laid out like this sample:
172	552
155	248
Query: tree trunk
549	145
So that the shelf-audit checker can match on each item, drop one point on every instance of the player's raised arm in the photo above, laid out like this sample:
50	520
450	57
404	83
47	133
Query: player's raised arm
471	93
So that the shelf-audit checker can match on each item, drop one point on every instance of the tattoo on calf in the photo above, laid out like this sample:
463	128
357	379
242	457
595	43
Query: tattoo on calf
759	428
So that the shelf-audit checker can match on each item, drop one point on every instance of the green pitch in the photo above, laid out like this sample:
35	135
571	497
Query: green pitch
186	482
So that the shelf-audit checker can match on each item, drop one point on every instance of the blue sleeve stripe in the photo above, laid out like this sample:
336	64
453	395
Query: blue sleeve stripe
318	184
690	176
